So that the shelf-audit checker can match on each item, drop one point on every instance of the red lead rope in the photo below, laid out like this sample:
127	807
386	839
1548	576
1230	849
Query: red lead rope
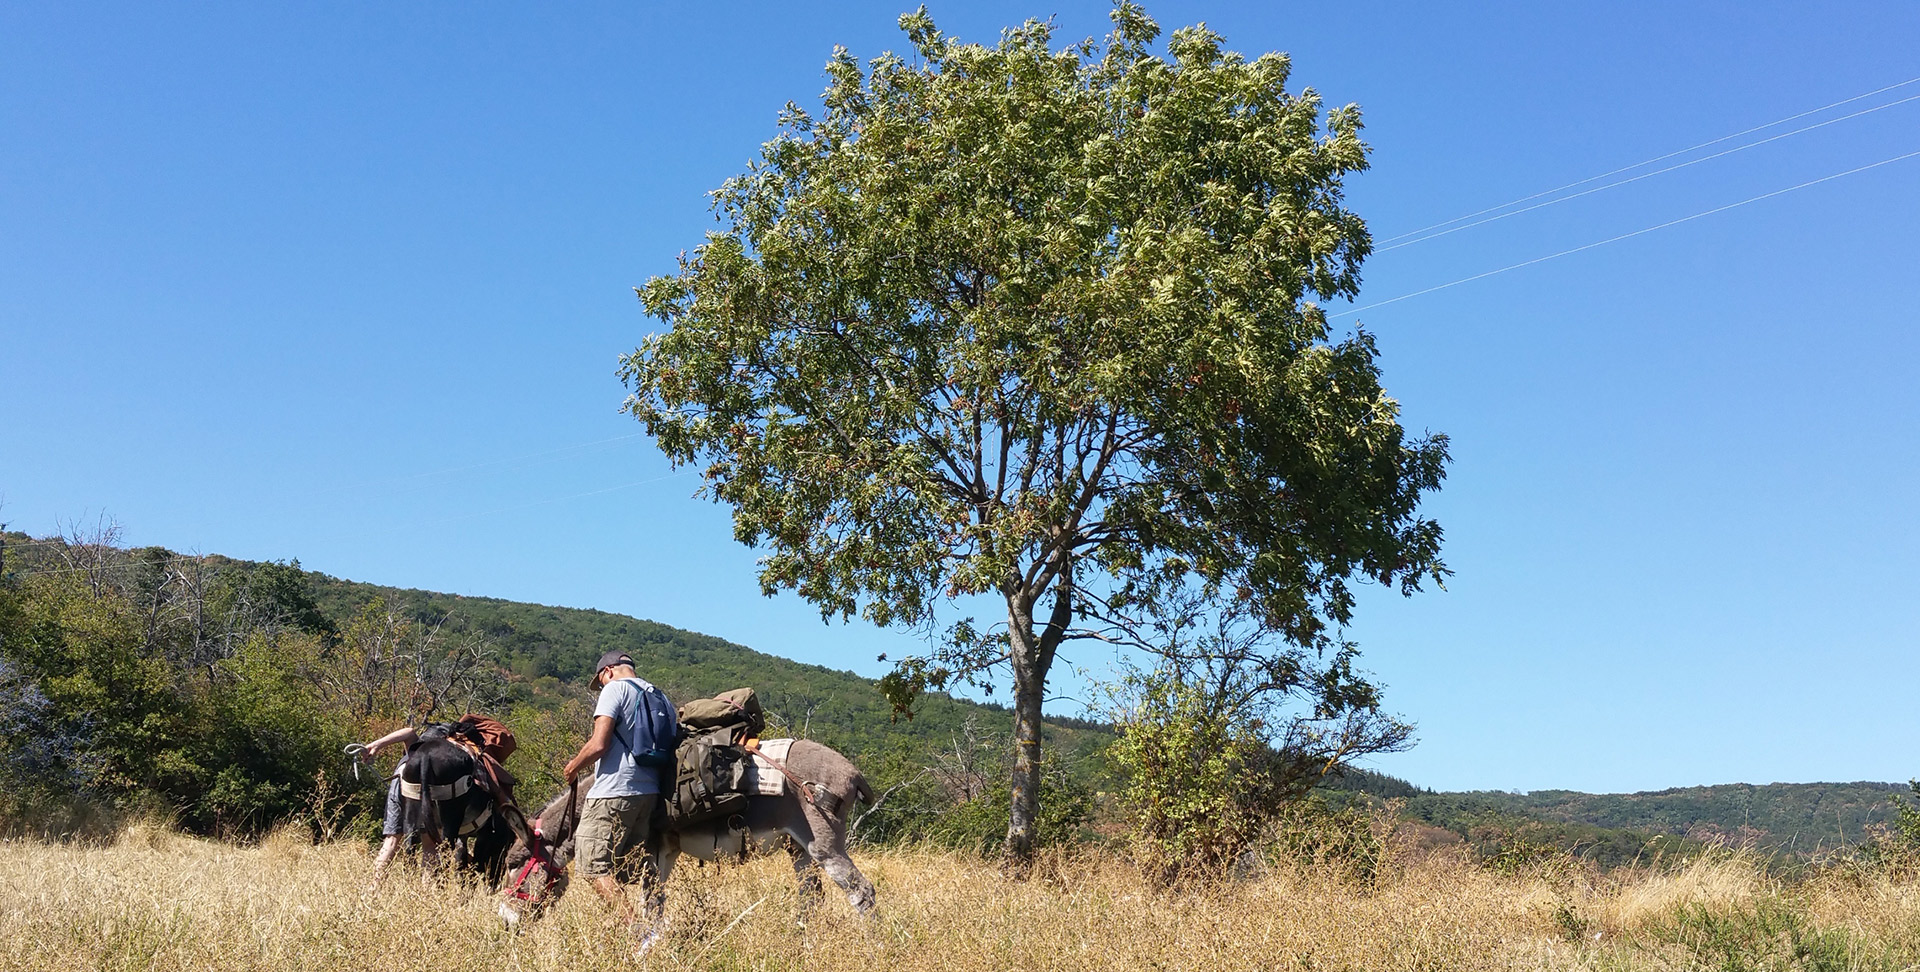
537	855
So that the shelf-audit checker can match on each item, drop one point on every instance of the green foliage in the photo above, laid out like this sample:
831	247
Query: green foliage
1763	934
956	796
979	825
1892	849
231	747
244	730
1036	323
1343	839
1510	838
1199	787
1780	819
1520	850
542	655
1353	779
1906	828
1231	722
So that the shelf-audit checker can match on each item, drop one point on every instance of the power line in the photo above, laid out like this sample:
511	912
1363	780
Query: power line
1647	175
463	516
484	464
1625	236
561	499
1657	158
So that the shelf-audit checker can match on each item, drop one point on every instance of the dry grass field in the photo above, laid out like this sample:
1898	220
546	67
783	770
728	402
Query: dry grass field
158	900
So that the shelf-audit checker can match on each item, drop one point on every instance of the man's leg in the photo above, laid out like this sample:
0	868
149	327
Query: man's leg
429	856
392	829
636	858
604	833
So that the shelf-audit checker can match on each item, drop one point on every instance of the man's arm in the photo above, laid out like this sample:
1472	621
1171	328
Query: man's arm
596	745
404	734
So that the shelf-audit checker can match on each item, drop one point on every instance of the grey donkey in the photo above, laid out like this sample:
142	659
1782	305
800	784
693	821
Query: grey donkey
811	821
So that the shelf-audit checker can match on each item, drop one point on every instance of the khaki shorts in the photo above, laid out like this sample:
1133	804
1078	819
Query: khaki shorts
612	834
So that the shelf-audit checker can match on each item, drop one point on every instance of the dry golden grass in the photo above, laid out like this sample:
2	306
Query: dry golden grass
159	900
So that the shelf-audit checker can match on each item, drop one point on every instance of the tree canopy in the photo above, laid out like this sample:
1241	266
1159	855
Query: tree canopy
1038	324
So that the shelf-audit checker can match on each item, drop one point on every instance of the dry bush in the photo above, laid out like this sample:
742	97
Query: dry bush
164	901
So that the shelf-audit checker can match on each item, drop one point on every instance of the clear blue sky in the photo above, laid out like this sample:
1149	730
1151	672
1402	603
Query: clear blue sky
347	283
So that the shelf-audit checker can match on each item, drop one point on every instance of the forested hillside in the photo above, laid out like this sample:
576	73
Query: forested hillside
219	692
546	652
1777	819
1793	818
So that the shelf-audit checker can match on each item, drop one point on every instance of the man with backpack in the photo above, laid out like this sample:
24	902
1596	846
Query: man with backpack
634	733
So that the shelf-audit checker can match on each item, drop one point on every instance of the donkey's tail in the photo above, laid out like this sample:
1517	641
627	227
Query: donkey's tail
861	789
420	810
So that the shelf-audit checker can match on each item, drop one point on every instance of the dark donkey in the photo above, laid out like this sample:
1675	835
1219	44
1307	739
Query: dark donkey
449	795
810	818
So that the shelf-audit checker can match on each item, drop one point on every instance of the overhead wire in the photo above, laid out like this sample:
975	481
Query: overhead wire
403	481
463	516
1646	175
1625	236
560	499
411	477
1657	158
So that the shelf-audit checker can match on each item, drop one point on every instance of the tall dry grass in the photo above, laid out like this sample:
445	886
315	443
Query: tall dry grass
158	900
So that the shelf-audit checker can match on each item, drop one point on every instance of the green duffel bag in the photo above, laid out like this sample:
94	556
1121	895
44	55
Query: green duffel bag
709	779
739	709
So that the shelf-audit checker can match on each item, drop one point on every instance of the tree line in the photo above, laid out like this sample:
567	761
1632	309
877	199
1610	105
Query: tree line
215	692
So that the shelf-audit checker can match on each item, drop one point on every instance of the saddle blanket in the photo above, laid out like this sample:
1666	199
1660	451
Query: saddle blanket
764	778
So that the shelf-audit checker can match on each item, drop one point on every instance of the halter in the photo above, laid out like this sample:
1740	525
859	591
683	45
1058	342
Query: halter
539	857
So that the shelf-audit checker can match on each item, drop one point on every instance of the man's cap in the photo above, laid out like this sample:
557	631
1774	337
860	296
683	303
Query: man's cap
609	660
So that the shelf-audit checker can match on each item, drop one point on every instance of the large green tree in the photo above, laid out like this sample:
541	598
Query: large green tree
1034	323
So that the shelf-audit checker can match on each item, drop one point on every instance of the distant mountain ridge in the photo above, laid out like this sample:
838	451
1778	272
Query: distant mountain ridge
1791	819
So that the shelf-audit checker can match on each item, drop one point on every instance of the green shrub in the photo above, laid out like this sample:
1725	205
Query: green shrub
1761	935
1344	839
1196	791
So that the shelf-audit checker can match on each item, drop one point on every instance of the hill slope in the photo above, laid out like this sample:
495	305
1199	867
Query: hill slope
1787	819
548	651
1792	818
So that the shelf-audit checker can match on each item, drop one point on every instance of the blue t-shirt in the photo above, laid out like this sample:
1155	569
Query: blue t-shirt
643	721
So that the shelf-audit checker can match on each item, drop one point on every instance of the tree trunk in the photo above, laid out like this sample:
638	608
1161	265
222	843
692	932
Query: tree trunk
1029	692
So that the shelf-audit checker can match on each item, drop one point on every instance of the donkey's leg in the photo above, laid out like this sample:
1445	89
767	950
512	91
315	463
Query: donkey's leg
653	922
807	874
654	882
829	850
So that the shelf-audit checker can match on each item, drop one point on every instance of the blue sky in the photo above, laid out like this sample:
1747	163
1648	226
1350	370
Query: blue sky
348	283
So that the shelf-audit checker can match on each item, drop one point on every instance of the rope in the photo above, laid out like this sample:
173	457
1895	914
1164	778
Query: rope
804	786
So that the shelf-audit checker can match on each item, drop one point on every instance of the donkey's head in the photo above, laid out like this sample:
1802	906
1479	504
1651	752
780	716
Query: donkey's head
536	875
